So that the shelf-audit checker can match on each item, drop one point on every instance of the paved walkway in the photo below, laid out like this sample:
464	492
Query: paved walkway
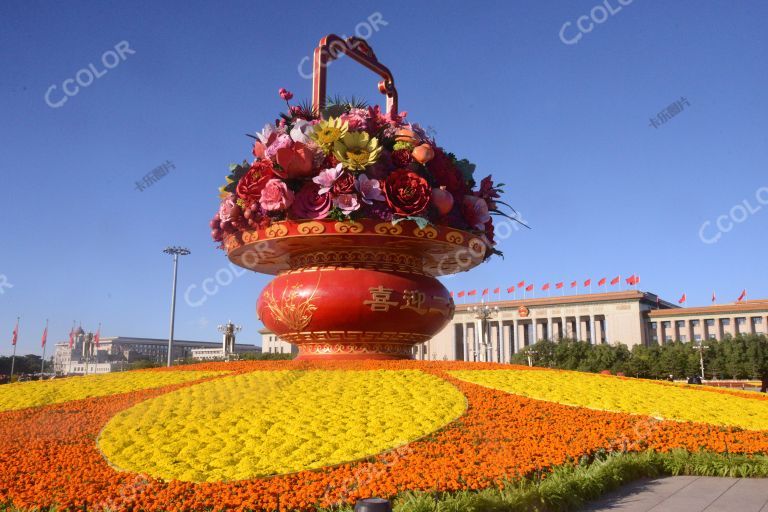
687	494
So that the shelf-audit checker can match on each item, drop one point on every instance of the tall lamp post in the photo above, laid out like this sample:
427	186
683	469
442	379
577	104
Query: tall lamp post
702	348
484	313
176	252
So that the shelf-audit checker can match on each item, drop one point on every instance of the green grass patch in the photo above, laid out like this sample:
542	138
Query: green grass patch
569	487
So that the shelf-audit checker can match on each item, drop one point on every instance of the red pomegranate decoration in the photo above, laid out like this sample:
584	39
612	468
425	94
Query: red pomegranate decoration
349	208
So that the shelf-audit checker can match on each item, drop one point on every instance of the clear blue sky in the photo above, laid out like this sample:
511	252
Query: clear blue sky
567	127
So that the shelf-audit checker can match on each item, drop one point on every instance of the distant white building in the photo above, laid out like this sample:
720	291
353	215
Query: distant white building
116	353
271	344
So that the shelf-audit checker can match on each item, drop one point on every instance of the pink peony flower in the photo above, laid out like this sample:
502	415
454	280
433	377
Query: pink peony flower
226	207
370	190
296	161
347	203
282	140
276	196
285	93
327	178
475	211
310	204
357	119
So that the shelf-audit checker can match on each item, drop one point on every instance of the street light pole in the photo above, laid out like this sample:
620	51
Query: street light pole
701	357
484	313
175	252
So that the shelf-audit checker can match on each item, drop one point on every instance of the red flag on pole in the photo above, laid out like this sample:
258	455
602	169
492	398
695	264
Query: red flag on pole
633	280
472	292
15	333
461	293
615	280
574	284
451	294
497	290
559	285
485	292
588	283
529	288
72	337
510	289
97	337
599	283
742	296
682	299
521	284
545	287
45	336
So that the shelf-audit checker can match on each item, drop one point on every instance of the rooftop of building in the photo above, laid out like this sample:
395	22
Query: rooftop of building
746	306
160	341
587	298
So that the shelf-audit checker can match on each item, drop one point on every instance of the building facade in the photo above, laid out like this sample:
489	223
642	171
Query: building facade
271	344
115	353
707	323
630	317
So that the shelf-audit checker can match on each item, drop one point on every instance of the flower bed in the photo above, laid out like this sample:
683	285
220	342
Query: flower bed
305	420
629	395
49	455
31	394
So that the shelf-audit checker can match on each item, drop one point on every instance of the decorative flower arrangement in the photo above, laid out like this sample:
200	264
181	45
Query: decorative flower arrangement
353	162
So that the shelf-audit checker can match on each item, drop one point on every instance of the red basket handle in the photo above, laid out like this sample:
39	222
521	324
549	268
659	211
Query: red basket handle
329	48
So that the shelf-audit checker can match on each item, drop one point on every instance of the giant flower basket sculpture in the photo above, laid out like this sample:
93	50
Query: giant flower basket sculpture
356	212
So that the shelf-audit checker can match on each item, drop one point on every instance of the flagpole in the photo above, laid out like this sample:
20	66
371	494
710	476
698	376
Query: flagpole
42	363
13	358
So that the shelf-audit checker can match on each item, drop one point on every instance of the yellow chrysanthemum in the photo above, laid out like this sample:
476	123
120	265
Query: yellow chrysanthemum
357	150
328	131
274	422
636	396
45	392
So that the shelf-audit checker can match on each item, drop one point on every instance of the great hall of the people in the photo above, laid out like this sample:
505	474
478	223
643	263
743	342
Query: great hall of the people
630	317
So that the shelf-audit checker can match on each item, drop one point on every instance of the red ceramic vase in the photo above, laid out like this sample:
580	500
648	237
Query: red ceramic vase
355	290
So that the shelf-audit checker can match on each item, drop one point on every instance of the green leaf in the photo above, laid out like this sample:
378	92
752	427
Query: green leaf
420	221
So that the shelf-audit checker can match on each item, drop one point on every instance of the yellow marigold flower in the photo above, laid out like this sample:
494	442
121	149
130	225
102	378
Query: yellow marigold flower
635	396
328	131
357	150
272	422
44	392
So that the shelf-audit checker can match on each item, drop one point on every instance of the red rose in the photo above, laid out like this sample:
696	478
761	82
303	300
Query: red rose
407	192
401	157
308	204
344	184
250	186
